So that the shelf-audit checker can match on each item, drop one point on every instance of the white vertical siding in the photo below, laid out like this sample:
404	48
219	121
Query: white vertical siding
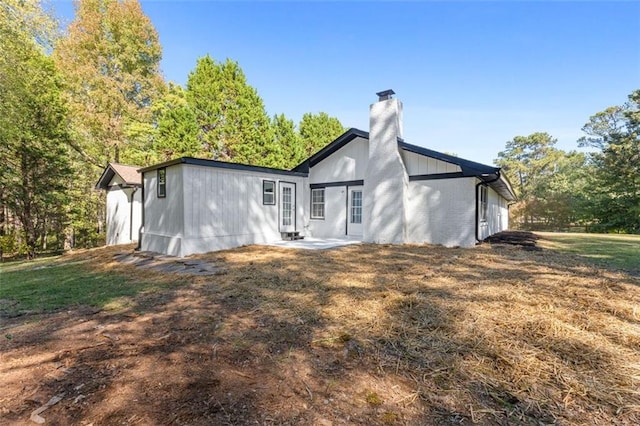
442	211
347	163
118	215
497	215
137	214
417	164
334	223
221	208
164	217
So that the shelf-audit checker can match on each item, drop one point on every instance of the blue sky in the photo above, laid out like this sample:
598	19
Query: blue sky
471	75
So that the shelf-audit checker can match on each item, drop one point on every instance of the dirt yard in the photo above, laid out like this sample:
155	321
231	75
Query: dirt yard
361	335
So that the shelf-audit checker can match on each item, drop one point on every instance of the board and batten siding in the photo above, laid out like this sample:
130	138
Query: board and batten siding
442	211
334	223
346	164
421	165
349	163
163	217
118	216
123	218
497	215
221	209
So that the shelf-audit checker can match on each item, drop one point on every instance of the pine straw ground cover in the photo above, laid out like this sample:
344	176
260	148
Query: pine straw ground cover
358	335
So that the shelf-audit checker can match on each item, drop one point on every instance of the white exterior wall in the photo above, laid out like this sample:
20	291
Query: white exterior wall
120	213
442	211
335	218
118	216
211	208
420	165
163	217
137	214
347	163
497	215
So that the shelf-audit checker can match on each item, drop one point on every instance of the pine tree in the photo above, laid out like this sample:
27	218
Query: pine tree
232	122
288	142
615	190
318	130
177	130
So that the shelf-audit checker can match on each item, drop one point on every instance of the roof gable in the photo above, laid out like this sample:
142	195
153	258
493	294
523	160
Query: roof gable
490	174
128	174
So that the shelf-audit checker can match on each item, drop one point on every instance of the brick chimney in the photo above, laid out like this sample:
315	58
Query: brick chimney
386	181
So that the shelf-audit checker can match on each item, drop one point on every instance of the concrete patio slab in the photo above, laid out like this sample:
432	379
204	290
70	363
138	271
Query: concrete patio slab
315	243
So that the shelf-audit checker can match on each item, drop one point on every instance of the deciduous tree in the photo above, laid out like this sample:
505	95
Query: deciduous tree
33	124
110	60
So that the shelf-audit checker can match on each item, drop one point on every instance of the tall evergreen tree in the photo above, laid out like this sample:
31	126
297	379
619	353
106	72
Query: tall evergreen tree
288	142
177	130
317	130
33	124
528	162
615	190
232	121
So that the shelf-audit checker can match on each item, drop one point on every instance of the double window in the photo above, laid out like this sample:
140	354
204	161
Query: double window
317	203
268	192
162	182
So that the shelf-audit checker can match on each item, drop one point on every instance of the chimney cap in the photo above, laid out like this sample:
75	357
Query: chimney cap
385	94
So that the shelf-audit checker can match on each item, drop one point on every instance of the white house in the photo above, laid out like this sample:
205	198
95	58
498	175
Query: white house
124	202
372	186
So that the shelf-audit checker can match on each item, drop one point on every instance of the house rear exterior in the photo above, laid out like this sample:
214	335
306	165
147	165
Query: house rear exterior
370	186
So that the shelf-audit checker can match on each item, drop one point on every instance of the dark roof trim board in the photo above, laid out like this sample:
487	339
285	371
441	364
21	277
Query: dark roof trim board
341	141
469	168
333	184
222	165
435	176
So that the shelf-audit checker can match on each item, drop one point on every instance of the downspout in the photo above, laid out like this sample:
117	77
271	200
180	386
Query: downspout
141	217
485	183
131	214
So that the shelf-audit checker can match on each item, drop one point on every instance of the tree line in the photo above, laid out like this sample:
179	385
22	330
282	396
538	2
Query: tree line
597	191
72	102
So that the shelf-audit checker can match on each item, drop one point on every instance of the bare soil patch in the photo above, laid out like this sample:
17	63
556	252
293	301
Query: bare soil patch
367	334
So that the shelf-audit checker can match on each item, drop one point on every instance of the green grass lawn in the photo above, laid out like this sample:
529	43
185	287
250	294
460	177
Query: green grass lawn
49	284
614	250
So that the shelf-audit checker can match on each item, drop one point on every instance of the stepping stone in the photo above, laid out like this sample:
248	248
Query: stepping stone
169	268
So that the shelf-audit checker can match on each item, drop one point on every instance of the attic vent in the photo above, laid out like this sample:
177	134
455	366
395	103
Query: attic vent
385	95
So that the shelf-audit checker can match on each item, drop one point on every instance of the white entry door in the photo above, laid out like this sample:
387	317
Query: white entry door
354	212
287	207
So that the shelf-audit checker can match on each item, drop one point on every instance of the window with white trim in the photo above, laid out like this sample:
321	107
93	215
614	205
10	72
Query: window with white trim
484	203
162	182
317	203
268	192
356	206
